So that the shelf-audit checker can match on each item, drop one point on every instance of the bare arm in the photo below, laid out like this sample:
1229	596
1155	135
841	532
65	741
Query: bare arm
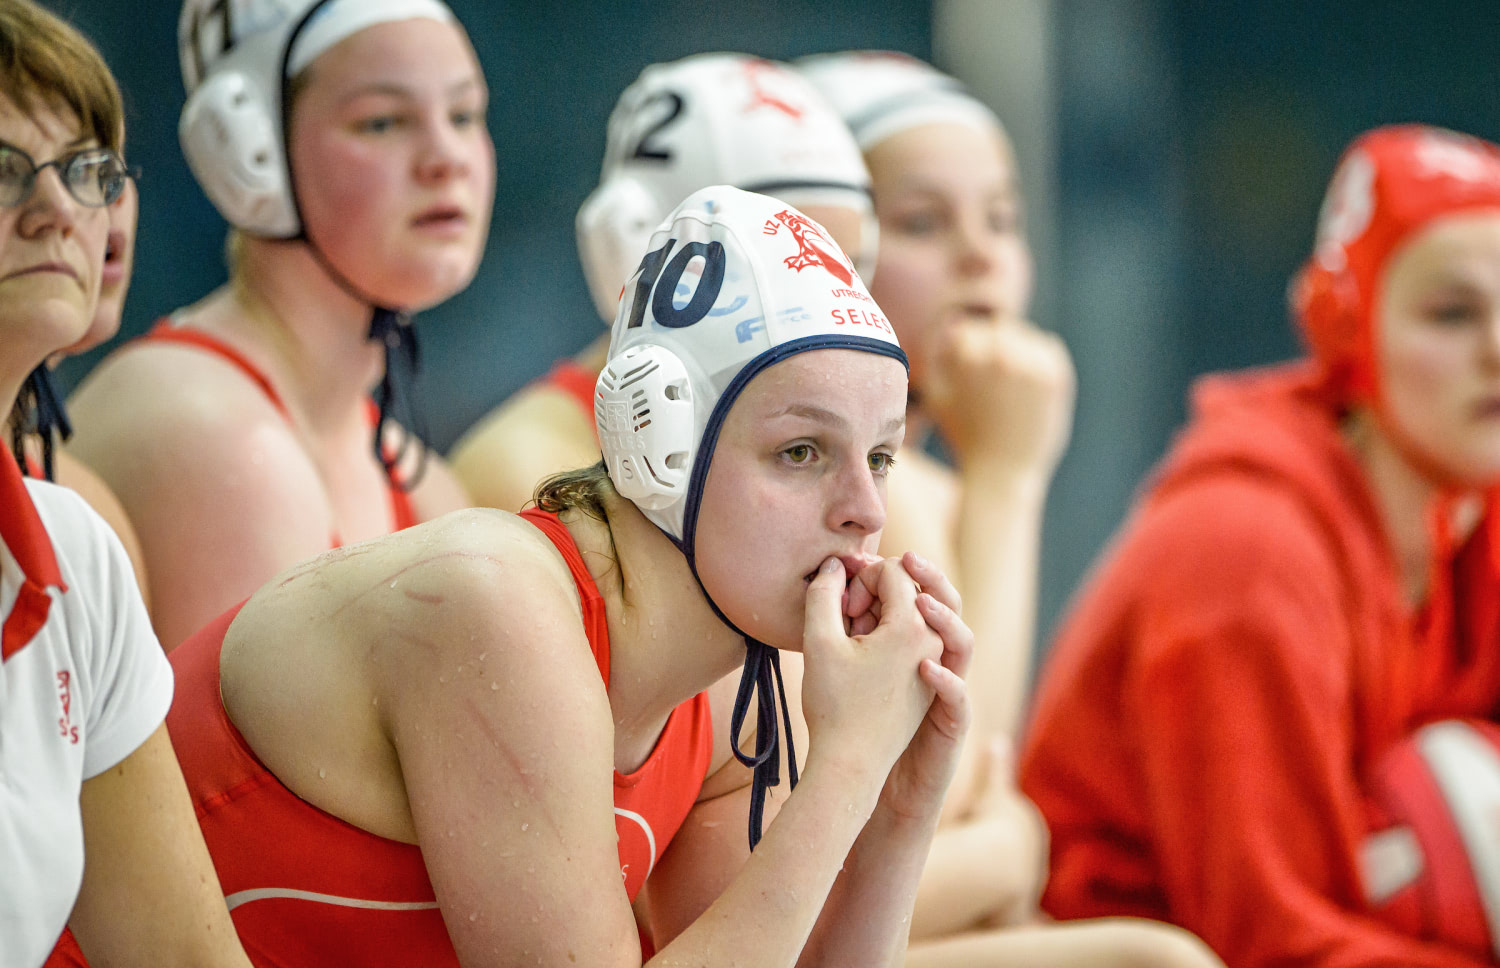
478	706
867	918
863	901
1002	396
150	896
1103	943
987	869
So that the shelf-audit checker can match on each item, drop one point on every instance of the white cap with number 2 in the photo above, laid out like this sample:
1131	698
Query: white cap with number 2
713	119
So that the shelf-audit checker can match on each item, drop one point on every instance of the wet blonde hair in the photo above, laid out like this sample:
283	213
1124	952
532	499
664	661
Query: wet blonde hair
582	490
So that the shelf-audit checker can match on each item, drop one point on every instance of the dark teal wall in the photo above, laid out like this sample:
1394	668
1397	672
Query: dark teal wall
1270	93
555	69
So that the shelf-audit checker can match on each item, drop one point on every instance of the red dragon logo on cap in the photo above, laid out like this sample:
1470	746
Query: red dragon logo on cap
814	247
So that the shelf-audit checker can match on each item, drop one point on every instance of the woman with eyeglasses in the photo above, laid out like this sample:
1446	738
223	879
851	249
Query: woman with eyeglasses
38	419
86	764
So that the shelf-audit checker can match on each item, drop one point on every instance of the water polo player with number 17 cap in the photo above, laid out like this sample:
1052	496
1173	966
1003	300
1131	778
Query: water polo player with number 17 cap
1311	578
709	119
440	746
344	141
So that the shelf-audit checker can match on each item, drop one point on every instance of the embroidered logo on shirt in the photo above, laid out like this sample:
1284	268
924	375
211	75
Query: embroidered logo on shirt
69	731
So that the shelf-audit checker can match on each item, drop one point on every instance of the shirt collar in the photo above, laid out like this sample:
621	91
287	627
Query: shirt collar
24	535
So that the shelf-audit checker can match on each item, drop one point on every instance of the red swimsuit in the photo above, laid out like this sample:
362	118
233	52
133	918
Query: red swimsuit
307	889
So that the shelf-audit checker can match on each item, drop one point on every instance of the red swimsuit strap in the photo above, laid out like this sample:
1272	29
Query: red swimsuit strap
574	380
165	332
403	514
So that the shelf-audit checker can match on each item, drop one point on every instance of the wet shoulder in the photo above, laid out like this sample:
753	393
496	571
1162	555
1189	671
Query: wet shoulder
456	573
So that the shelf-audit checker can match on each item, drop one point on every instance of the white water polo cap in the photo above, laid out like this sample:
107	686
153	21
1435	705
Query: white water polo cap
713	119
882	93
733	283
236	58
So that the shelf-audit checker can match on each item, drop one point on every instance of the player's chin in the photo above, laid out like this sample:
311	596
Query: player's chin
777	623
424	283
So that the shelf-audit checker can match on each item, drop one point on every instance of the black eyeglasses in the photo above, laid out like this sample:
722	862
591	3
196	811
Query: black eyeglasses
95	177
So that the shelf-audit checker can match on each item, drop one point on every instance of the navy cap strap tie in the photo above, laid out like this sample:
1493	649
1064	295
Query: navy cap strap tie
42	413
403	362
762	675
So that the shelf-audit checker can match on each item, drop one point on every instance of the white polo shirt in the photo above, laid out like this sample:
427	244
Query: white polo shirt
83	683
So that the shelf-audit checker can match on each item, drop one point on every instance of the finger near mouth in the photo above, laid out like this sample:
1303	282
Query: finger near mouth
808	578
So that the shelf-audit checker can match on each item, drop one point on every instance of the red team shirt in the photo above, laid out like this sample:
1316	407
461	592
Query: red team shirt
1207	717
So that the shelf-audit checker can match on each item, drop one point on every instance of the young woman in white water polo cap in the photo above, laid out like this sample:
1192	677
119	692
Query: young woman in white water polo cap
345	142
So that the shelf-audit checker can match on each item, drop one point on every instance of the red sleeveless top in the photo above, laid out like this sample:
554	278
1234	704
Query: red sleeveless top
308	890
402	514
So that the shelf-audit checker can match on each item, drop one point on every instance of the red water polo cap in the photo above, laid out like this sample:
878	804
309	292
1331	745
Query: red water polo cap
1391	182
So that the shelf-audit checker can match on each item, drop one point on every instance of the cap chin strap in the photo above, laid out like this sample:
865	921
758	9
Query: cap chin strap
392	328
762	675
396	397
42	413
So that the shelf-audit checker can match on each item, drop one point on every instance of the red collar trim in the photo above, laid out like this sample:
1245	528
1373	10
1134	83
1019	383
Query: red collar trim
22	531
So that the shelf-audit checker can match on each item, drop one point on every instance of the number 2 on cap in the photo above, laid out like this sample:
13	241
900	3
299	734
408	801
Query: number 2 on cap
645	149
665	282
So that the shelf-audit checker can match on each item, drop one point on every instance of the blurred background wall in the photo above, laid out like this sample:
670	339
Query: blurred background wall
1173	153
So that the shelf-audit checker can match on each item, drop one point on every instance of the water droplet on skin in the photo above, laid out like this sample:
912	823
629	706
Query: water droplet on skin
494	686
393	583
482	655
524	826
442	678
473	915
515	803
450	831
322	774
